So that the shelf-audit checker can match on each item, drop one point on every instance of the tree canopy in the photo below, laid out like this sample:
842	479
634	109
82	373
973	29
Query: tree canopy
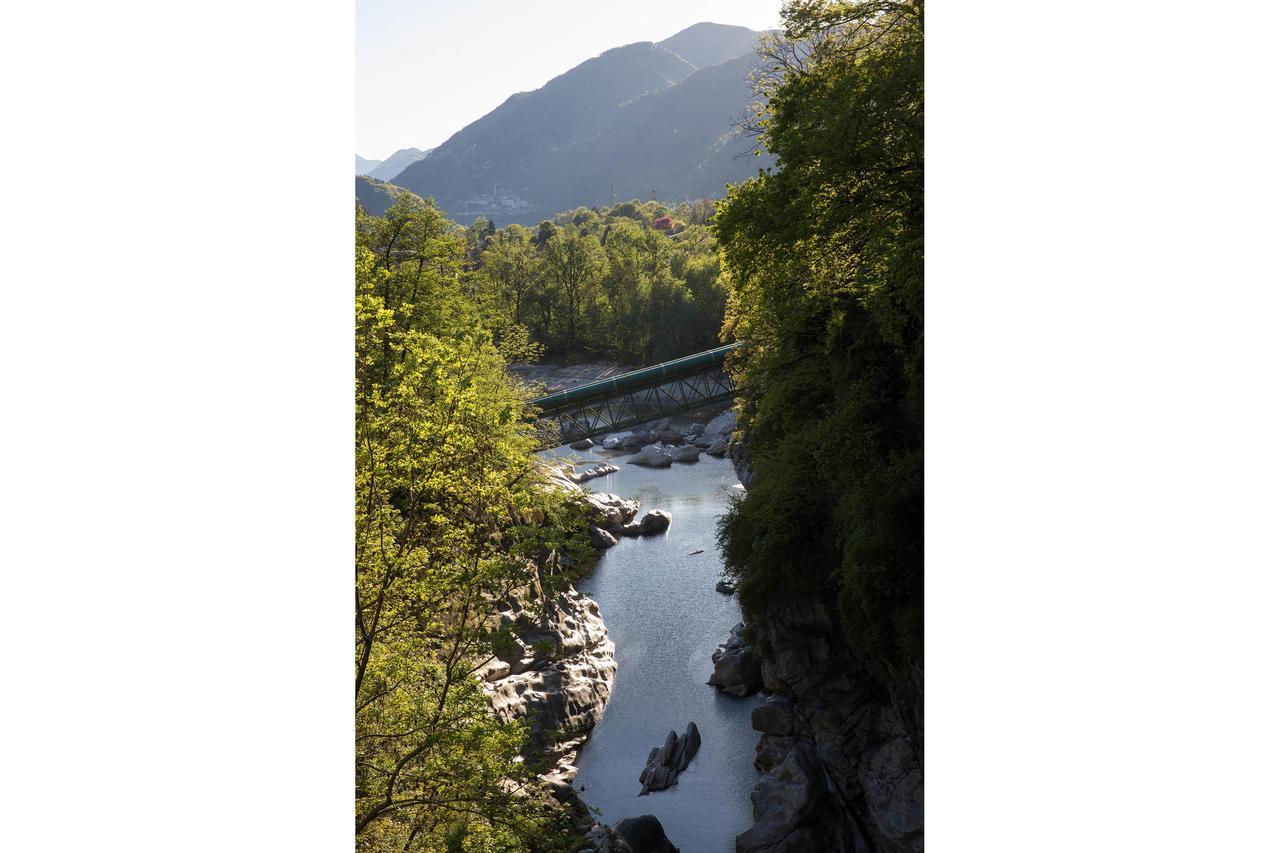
449	517
824	255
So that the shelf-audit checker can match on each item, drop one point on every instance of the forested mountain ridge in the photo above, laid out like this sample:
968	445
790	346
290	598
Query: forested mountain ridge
638	121
376	196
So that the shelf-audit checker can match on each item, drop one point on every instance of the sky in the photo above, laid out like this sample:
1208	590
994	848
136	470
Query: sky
427	68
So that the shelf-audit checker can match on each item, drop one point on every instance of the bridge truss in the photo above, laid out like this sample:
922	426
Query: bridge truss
621	402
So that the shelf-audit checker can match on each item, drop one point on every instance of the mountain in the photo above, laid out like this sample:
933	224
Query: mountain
710	44
364	166
395	164
636	121
376	196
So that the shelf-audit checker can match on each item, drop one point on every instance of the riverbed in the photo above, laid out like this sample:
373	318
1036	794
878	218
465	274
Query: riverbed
658	600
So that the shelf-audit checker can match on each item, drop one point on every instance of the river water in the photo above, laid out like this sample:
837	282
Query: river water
659	603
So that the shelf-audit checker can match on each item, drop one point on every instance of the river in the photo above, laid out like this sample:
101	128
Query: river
659	603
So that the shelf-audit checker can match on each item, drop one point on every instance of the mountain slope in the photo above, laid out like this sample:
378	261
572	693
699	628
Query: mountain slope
364	165
635	121
396	163
710	44
376	196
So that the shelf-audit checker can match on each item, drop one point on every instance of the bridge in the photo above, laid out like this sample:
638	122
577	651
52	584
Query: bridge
621	402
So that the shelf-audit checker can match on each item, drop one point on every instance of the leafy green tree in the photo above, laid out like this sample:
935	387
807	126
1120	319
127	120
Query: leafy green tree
825	260
575	265
450	516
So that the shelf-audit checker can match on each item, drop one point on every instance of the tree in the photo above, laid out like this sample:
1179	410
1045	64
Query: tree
825	260
513	265
574	264
450	516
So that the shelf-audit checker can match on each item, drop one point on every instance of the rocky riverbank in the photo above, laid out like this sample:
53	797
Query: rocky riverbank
557	672
842	759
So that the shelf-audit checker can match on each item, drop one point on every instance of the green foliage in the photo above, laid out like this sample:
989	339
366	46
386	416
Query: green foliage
604	282
450	514
825	257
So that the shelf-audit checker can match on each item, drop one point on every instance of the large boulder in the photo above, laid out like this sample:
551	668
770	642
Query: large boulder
670	436
611	511
722	424
654	456
687	453
667	761
615	440
719	447
737	666
582	444
654	521
643	834
697	428
600	538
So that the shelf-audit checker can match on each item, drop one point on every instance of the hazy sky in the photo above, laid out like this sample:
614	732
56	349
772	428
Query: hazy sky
427	68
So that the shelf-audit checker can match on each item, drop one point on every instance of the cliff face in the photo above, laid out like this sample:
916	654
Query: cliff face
842	759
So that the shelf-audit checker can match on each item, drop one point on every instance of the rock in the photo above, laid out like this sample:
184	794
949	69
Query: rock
667	761
560	478
601	538
582	444
654	455
722	424
557	673
654	521
601	470
737	666
789	805
719	447
704	441
670	436
726	587
610	511
643	834
775	717
841	756
614	440
697	428
631	529
687	453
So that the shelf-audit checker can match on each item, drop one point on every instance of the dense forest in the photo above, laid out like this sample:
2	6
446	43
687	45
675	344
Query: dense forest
826	259
635	282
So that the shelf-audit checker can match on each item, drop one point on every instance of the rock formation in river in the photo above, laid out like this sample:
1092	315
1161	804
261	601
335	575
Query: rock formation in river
737	666
841	758
556	673
653	456
654	521
667	761
643	834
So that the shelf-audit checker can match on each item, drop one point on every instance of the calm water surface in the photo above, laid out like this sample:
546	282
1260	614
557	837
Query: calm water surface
665	617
